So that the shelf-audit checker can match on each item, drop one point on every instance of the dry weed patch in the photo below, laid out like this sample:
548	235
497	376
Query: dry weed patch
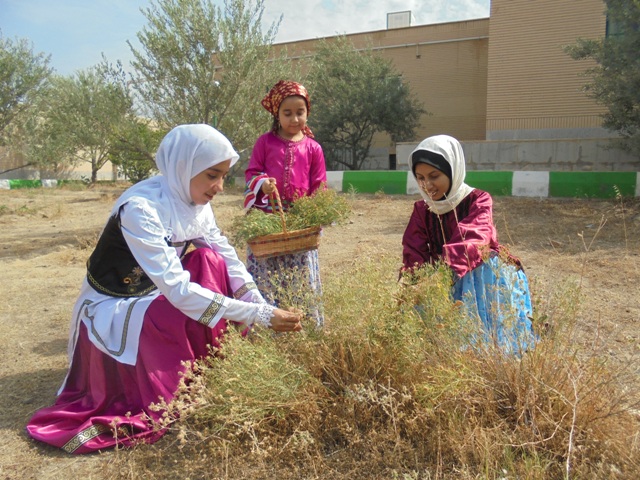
386	390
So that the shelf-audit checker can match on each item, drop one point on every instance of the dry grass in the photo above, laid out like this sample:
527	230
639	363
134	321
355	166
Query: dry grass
381	392
394	393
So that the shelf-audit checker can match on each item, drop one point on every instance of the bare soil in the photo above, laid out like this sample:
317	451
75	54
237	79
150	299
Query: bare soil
46	236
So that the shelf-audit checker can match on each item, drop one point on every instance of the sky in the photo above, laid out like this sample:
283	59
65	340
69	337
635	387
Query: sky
75	33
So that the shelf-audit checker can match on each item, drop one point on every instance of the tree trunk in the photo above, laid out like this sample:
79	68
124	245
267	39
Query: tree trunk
94	172
354	158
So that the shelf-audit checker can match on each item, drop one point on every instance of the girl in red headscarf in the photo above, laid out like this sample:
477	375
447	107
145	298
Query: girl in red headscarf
289	159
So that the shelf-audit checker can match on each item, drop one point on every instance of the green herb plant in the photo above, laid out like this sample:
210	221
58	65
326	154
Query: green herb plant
325	207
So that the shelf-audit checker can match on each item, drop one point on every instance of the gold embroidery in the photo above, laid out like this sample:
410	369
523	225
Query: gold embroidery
133	279
244	289
94	283
84	436
176	244
212	310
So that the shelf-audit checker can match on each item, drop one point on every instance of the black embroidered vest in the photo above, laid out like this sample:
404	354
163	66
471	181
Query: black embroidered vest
112	269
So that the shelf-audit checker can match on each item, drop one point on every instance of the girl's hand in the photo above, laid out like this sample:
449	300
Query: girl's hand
284	321
268	186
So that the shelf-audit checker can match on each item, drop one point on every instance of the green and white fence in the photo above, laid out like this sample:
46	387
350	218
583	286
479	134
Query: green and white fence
13	184
517	184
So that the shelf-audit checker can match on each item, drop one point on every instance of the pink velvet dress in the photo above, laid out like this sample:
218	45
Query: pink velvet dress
149	302
104	402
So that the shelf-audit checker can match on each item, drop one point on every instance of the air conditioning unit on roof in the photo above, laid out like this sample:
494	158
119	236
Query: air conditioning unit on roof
399	19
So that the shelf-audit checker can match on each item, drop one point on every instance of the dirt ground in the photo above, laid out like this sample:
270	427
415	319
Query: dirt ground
46	236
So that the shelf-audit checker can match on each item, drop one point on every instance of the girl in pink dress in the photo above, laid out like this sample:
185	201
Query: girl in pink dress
289	159
149	302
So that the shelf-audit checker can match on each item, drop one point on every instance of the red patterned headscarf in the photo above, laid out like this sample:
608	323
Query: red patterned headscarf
281	90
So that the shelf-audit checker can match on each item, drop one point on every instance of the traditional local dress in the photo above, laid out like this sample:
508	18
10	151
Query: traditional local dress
148	303
460	231
299	169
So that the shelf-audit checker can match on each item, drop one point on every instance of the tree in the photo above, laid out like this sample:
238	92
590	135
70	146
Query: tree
615	80
203	64
357	94
41	141
133	152
81	118
24	76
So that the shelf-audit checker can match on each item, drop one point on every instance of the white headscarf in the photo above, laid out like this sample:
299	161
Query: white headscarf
183	153
449	148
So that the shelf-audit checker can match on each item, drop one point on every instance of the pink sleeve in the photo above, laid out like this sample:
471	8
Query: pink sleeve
473	237
318	169
255	174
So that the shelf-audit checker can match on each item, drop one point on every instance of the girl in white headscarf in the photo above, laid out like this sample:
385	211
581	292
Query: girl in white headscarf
150	301
454	224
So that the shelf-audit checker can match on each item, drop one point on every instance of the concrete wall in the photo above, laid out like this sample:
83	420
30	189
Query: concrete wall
576	155
445	65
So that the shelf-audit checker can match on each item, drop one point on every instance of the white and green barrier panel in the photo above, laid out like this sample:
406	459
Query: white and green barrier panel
519	184
13	184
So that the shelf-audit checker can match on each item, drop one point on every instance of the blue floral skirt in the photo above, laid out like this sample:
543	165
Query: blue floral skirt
290	281
496	294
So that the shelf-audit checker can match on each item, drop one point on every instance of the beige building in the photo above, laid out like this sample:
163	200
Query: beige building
534	89
445	64
497	78
502	85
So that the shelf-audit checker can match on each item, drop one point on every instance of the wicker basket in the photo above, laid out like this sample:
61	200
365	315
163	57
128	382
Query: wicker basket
285	242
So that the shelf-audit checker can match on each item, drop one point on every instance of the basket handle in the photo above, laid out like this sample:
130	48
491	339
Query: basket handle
276	196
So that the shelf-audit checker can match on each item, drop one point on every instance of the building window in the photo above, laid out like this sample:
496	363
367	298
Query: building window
614	27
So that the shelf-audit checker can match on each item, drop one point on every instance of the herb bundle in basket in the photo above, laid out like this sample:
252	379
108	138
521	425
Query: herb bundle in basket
296	230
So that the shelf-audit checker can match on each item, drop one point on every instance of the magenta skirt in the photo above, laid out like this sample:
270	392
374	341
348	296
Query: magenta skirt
105	403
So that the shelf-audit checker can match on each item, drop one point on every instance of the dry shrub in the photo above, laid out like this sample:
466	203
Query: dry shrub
290	289
386	390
